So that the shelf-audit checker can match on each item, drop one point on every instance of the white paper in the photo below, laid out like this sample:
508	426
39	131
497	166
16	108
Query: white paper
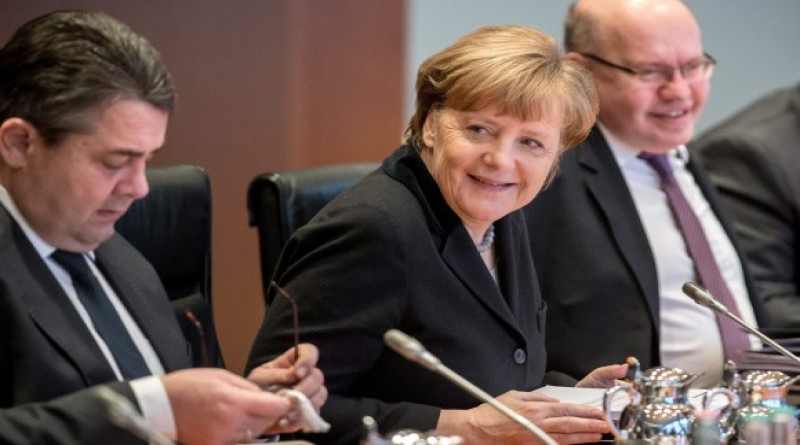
594	397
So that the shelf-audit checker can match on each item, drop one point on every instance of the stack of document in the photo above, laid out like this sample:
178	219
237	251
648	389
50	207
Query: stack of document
769	359
594	397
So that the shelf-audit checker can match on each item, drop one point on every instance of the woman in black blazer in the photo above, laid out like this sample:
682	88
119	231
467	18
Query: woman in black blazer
433	244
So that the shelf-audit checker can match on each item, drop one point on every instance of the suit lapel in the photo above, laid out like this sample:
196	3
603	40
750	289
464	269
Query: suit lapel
456	246
147	303
607	186
517	276
470	269
49	307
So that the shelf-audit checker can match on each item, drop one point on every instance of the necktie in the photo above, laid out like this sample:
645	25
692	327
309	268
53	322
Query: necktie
104	317
734	339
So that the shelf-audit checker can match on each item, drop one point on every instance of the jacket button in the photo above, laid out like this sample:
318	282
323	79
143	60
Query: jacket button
520	356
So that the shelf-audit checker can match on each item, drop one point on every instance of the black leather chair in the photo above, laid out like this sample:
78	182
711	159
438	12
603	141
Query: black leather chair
171	227
278	203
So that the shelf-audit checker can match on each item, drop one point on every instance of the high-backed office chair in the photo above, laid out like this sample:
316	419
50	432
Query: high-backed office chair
171	227
279	203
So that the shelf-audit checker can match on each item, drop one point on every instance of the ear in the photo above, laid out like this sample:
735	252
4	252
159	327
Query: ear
429	127
577	57
16	140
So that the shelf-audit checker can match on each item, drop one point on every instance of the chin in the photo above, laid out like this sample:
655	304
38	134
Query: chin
99	237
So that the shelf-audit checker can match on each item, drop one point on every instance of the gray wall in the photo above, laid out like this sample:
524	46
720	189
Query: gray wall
756	42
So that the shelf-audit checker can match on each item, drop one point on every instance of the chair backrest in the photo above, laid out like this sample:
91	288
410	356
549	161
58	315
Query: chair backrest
279	203
171	227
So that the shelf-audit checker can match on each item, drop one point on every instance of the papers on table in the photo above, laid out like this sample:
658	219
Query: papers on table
594	397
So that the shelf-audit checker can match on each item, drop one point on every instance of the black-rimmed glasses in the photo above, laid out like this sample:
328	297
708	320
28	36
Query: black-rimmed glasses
694	71
295	317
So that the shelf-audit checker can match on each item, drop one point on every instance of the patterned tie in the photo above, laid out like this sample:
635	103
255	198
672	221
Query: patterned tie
104	317
734	339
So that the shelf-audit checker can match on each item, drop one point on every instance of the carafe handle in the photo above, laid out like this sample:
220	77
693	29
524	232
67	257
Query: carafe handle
608	400
708	398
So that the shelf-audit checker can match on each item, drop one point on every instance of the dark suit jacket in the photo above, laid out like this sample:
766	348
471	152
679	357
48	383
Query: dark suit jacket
596	268
76	419
389	253
754	160
46	351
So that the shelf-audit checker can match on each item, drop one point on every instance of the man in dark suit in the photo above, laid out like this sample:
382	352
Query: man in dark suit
607	239
754	159
66	420
84	104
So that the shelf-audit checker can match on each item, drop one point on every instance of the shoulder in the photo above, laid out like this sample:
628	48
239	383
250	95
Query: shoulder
118	251
378	204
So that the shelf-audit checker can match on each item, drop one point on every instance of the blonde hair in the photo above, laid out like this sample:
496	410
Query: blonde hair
519	70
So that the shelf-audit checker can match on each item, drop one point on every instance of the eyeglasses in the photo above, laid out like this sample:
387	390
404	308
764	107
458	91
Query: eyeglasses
295	317
694	71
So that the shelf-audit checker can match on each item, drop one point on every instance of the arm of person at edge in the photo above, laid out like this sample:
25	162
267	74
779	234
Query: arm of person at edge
756	191
300	374
566	423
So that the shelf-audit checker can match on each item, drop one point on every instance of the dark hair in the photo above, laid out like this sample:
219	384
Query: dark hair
580	30
60	68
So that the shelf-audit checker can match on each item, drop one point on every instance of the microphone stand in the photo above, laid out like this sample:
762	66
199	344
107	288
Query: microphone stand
704	298
413	350
485	397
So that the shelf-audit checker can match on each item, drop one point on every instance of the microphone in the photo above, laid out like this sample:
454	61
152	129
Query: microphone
123	414
412	349
704	298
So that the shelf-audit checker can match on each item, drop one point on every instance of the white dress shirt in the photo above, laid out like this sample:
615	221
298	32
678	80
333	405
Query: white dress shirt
689	336
149	391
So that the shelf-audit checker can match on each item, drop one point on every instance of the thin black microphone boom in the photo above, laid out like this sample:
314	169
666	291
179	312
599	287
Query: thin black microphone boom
704	298
413	350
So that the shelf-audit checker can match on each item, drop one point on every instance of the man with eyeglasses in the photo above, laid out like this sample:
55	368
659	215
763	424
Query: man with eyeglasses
632	215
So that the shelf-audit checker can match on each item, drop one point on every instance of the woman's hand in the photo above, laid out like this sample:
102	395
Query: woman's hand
564	422
604	377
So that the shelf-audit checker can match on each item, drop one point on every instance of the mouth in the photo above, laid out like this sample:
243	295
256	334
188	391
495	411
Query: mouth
491	184
112	214
677	114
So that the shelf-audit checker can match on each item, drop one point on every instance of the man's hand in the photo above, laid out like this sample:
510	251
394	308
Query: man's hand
214	406
302	375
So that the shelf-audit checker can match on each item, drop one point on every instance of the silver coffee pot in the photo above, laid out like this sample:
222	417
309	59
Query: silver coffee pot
659	410
764	393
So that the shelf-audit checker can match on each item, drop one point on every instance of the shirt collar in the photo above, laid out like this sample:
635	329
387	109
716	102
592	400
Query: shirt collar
42	247
626	155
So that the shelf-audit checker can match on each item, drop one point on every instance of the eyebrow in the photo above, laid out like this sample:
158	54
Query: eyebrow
133	153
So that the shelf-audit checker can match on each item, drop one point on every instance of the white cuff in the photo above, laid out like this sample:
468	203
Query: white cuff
154	402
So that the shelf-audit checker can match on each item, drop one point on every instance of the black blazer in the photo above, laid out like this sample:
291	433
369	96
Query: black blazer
75	419
754	160
389	253
596	268
46	351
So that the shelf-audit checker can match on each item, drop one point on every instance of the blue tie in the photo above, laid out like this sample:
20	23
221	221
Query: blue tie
104	317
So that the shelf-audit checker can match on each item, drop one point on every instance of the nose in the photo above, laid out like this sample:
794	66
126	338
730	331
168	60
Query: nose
676	85
134	184
500	155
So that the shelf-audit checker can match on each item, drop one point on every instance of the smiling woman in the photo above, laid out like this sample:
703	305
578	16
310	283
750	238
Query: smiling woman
433	244
488	165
